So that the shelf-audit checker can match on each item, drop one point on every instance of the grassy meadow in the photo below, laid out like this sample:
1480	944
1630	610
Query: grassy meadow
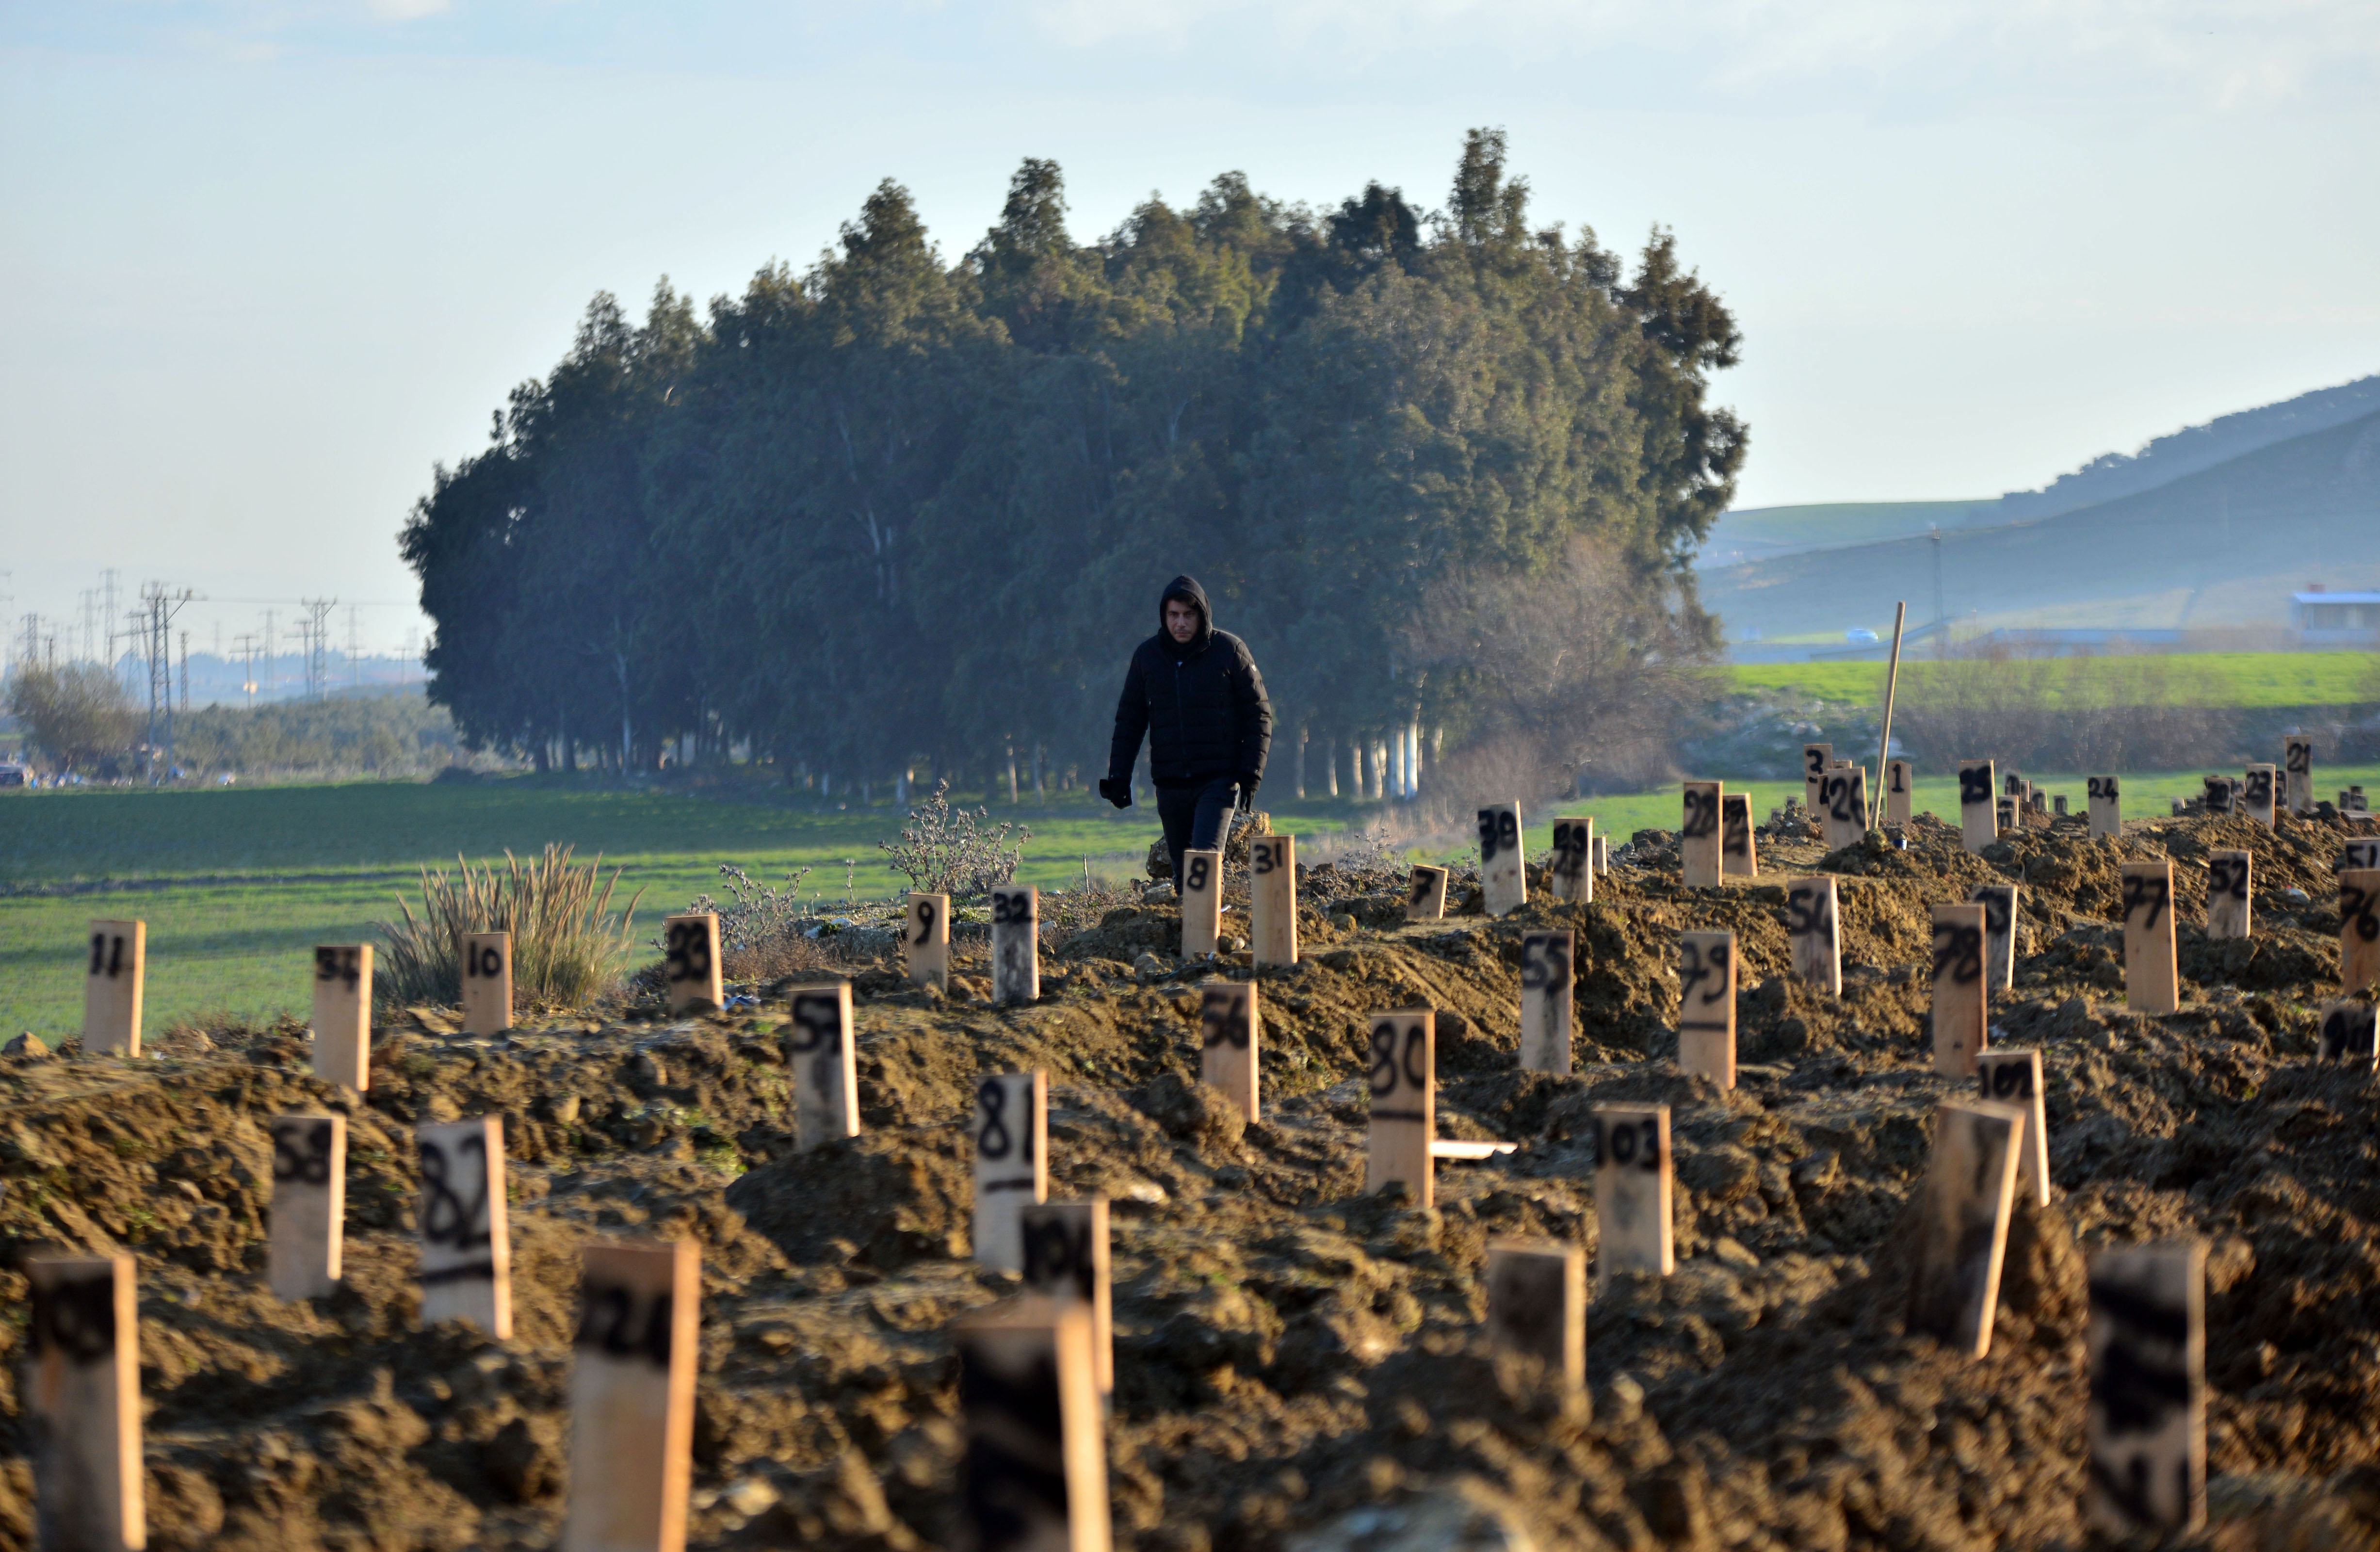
2245	680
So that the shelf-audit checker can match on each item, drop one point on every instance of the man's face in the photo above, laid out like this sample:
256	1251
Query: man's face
1181	619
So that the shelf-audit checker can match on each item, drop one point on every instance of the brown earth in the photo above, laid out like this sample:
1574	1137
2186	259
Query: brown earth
1295	1363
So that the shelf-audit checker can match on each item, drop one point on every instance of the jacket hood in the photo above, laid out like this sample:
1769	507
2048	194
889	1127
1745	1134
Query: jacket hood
1185	589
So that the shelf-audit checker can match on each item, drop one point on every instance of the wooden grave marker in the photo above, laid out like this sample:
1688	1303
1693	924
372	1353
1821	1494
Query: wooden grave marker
690	969
2152	976
2358	853
343	1002
1960	998
2296	774
466	1249
2104	801
1998	901
925	941
1698	837
1548	980
2346	1034
1844	794
487	983
2004	816
81	1399
2147	1422
1503	880
1962	1222
2262	793
1816	760
1202	904
2229	909
631	1369
1011	1162
1015	944
1272	899
1632	1190
2353	801
820	1050
1536	1305
2013	1077
1899	791
1570	873
1426	893
1978	818
1066	1258
1403	1079
310	1198
110	990
2358	928
1814	930
1739	854
1034	1475
2219	792
1706	974
1603	855
1230	1029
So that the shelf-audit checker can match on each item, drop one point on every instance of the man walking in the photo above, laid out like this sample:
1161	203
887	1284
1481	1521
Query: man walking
1196	692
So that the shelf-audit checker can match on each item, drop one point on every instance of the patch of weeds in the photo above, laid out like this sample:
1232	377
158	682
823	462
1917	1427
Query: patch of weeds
952	851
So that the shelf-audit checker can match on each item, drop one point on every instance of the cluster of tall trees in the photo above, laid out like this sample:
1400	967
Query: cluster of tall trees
893	515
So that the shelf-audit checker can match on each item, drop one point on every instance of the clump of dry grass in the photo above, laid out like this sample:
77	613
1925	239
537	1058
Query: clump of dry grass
566	944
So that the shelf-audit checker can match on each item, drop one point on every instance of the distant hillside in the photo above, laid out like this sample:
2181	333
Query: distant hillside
1762	533
2225	546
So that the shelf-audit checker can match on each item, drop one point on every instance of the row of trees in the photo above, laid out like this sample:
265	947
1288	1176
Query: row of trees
893	514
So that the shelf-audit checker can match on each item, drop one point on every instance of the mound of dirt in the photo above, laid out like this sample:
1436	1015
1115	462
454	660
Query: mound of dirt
1297	1365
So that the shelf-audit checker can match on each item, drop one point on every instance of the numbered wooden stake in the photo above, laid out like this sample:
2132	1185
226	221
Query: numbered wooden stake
82	1400
1405	1102
1979	812
2346	1034
309	1200
2260	794
1814	931
820	1050
1698	837
2004	815
1998	901
1738	857
487	983
2228	906
2151	979
2222	794
1035	1478
111	991
1603	856
1706	1006
1571	874
1011	1162
925	941
1066	1258
467	1250
1015	944
1546	981
2147	1343
2104	801
1503	884
1202	904
1962	1222
1633	1193
1842	797
1229	1027
1536	1305
1959	997
342	1001
1899	791
2297	769
2358	853
1426	893
632	1396
1272	899
2358	928
2013	1077
690	961
1817	760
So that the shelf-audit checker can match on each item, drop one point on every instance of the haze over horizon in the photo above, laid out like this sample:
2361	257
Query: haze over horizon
271	262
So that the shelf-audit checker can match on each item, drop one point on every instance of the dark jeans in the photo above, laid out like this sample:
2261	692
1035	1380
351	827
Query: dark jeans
1197	819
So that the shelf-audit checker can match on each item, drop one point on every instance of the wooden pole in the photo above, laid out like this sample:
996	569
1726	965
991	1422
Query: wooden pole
1891	684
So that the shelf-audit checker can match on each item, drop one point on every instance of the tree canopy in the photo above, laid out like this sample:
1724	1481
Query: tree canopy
893	513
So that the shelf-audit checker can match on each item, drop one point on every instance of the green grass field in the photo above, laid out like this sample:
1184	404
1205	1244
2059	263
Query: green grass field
2247	680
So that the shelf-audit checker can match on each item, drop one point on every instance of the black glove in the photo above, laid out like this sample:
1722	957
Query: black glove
1247	781
1115	791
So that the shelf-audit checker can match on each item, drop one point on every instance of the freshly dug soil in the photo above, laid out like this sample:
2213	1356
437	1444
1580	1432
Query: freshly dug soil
1296	1363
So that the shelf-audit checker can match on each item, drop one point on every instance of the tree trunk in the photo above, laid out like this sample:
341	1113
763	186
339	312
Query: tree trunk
1331	767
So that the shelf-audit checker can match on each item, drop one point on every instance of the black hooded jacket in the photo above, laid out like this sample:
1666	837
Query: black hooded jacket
1201	702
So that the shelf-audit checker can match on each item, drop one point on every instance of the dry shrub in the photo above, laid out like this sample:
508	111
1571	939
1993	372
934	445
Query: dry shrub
2075	713
566	944
796	955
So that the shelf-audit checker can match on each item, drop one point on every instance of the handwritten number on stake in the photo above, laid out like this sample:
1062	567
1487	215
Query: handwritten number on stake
607	1320
76	1317
688	951
1959	951
924	909
302	1153
1702	812
2358	912
448	1219
2150	894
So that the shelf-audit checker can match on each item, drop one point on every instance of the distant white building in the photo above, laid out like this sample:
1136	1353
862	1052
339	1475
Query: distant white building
2325	618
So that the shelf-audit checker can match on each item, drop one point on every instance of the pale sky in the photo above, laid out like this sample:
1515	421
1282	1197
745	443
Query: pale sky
266	262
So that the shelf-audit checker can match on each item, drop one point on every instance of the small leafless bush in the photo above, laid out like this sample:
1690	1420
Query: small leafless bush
952	851
753	913
566	944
